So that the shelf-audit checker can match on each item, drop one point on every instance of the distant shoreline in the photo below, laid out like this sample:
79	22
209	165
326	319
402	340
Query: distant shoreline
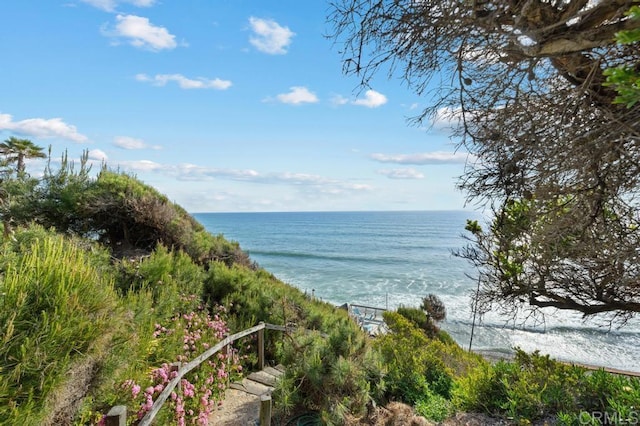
342	211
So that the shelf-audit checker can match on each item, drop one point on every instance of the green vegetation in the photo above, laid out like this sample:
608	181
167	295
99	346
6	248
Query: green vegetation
533	387
105	285
625	79
57	303
432	311
17	150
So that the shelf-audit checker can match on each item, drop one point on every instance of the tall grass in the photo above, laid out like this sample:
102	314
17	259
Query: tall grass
55	302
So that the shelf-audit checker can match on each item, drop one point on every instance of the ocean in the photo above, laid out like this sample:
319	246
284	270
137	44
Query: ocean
388	259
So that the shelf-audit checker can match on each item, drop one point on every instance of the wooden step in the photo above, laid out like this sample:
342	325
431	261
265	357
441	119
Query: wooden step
260	382
252	387
263	377
273	371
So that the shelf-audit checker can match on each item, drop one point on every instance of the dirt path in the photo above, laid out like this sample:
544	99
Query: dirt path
241	405
238	408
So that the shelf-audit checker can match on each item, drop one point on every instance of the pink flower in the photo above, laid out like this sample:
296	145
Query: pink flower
203	418
144	408
187	388
135	390
161	373
148	403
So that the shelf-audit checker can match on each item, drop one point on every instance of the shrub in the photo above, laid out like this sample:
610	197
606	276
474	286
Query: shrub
127	214
335	375
434	407
431	312
534	386
60	196
434	307
166	275
410	356
420	319
58	301
482	389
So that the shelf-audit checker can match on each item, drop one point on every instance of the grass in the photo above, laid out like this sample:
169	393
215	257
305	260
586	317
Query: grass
56	302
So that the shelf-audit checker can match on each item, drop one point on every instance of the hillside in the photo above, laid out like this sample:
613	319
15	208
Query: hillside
105	283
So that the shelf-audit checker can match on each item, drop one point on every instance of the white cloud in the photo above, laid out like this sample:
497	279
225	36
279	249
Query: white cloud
142	165
126	142
298	95
372	99
184	82
196	173
269	37
302	181
483	56
98	155
42	128
141	33
298	178
339	100
401	173
447	118
142	3
439	157
110	5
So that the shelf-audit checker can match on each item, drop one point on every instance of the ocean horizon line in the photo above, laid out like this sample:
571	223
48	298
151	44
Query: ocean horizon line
339	211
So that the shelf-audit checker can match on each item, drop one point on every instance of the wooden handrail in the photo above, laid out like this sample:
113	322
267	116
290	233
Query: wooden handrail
166	392
148	418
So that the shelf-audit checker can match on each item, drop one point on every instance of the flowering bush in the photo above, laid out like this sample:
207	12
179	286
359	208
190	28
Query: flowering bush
202	389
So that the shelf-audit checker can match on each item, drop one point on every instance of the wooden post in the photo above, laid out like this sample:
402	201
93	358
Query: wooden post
117	416
229	354
261	347
175	366
265	410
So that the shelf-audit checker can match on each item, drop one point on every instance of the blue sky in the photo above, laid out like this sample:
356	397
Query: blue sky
222	105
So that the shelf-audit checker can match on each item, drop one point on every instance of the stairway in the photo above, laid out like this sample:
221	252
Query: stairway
241	405
260	382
